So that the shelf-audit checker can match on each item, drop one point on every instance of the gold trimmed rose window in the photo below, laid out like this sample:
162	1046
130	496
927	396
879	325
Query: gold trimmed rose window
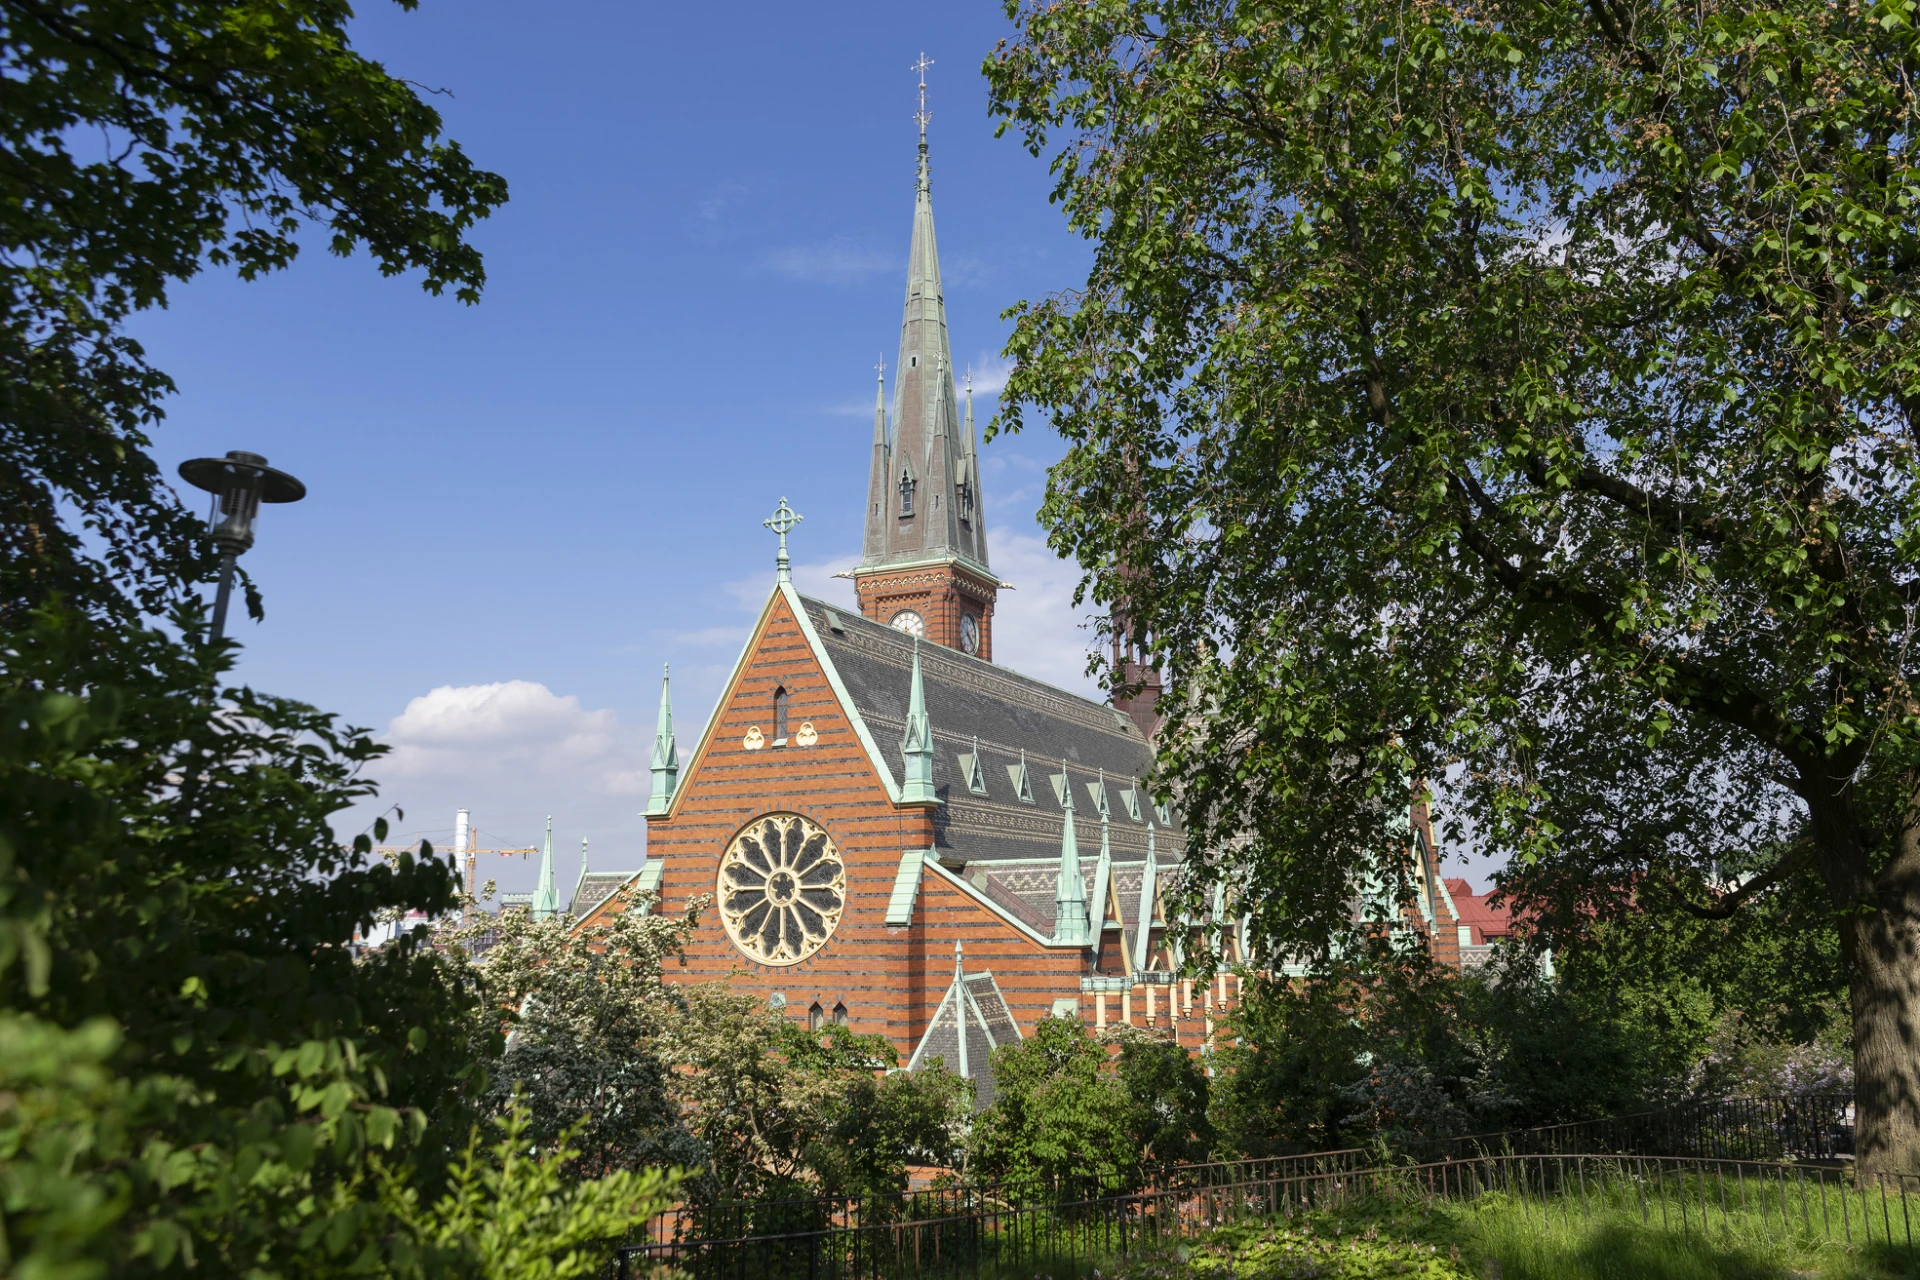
782	888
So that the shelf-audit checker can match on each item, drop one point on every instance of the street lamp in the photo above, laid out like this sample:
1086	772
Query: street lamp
239	483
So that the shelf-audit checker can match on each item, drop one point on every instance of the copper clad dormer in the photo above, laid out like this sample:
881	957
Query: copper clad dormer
923	565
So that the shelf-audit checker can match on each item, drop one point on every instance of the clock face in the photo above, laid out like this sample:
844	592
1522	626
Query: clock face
969	634
908	621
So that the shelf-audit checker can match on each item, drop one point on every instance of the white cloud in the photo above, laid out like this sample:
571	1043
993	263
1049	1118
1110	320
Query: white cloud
1037	631
990	373
838	261
513	752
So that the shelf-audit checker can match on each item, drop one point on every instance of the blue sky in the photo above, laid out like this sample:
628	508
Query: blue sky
519	510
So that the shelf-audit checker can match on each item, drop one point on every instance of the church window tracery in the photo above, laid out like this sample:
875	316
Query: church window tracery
782	888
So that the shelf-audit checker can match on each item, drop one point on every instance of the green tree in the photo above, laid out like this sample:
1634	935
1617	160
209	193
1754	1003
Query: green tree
1166	1090
141	141
588	1012
514	1210
175	905
1525	387
875	1126
1059	1111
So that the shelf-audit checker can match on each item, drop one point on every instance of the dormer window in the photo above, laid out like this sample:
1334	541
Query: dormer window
906	493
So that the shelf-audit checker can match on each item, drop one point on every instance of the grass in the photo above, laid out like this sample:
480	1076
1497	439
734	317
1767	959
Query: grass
1614	1231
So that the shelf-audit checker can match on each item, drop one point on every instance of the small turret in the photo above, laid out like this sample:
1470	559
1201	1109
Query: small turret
666	756
916	744
546	896
1070	895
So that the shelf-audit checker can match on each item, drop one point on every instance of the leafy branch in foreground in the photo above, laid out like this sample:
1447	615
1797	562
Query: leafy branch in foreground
1518	393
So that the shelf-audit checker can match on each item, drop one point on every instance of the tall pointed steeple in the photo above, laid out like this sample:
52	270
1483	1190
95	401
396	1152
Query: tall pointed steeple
666	756
1069	894
923	563
916	744
546	896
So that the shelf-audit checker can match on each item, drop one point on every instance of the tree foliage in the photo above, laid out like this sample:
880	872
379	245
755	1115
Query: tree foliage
588	1014
1060	1111
141	141
1524	387
176	910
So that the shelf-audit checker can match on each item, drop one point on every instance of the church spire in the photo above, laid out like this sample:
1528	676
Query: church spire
666	756
923	488
546	896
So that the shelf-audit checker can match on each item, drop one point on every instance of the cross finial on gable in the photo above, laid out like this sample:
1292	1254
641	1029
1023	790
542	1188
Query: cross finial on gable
781	522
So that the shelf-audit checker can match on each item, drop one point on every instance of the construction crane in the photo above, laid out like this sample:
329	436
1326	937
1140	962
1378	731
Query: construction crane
466	842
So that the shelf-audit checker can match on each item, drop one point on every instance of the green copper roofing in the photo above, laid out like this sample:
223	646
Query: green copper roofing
1102	877
666	757
916	744
546	896
1143	914
1069	895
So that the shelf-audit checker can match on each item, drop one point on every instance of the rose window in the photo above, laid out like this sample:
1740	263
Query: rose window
782	888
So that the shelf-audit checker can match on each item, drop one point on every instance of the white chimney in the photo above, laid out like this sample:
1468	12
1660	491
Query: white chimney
460	832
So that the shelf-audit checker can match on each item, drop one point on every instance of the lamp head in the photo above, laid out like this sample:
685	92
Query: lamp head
239	483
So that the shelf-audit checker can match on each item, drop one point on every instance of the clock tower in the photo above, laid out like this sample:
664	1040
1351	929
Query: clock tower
923	564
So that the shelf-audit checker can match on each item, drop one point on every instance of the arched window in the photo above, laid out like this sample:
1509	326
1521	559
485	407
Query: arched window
906	493
780	701
816	1017
966	502
840	1014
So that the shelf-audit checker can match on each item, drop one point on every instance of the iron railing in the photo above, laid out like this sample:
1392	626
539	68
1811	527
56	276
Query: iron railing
786	1215
1795	1202
1807	1127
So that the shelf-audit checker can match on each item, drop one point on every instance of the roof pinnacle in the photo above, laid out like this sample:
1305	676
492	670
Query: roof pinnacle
1070	895
666	756
546	897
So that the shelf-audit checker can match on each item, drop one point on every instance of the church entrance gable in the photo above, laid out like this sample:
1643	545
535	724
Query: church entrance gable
784	809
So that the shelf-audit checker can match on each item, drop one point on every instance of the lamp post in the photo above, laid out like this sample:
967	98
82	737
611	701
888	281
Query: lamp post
239	483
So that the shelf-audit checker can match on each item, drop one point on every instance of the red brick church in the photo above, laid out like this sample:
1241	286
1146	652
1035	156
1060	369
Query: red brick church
899	832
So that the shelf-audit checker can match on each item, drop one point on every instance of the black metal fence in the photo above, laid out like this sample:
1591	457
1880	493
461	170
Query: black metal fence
803	1215
1800	1203
1808	1127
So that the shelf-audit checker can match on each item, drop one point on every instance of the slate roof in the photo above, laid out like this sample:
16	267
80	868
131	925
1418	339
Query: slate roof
989	1024
595	887
968	699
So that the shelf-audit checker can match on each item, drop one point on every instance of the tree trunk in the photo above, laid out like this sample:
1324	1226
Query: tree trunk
1879	919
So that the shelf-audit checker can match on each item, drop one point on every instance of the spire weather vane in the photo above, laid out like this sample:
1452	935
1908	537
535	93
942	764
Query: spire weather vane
781	522
923	115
